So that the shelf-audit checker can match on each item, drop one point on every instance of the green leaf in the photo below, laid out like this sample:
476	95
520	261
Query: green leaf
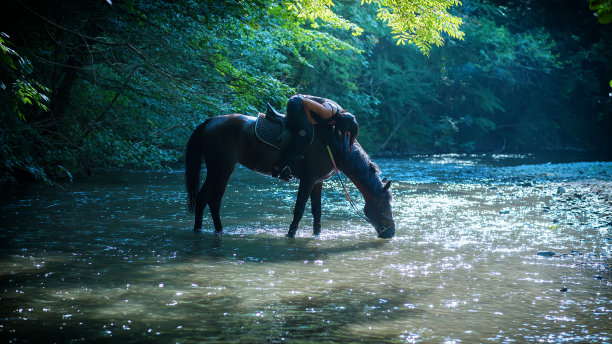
603	10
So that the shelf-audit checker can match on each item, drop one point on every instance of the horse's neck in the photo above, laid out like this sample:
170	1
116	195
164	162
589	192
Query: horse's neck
356	166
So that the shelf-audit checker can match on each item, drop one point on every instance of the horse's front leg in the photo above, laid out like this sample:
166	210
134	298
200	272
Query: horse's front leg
300	204
315	207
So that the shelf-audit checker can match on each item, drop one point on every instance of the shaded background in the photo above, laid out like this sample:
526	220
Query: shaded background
88	84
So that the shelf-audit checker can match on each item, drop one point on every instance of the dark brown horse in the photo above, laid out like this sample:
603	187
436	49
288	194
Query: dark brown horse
223	141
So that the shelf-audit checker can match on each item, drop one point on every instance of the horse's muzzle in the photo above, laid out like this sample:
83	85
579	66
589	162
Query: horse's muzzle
386	232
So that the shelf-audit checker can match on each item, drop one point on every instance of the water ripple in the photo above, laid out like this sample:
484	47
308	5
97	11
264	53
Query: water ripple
488	248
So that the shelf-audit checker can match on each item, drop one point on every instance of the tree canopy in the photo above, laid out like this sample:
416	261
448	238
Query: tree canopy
418	22
88	84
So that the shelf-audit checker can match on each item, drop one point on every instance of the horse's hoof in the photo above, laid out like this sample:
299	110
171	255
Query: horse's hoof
290	235
197	230
219	233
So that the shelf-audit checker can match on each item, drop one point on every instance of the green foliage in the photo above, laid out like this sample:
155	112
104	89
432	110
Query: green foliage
16	79
124	85
418	22
491	91
312	10
20	95
603	9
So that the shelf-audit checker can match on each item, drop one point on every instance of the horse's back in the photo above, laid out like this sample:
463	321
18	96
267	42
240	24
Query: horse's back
228	127
231	139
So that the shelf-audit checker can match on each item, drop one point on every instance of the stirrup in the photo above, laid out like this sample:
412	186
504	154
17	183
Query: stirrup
284	174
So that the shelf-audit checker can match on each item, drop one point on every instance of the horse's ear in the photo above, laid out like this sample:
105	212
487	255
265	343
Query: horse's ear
272	112
384	181
387	186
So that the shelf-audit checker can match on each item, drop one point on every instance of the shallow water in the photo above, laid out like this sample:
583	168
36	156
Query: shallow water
113	258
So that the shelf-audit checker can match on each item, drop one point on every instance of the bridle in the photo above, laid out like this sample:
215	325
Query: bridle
383	216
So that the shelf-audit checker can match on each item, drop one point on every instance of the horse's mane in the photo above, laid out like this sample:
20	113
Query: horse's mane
357	163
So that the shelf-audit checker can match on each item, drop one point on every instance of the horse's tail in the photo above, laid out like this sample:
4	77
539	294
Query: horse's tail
193	164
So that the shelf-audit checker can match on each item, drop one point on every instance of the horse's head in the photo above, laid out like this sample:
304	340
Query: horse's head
378	211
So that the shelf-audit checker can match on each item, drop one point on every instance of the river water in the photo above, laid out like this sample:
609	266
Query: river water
501	249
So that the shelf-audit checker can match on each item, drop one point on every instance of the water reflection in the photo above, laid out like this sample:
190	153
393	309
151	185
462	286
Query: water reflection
113	258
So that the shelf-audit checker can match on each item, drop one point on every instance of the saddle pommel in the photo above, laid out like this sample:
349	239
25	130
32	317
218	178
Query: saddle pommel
274	115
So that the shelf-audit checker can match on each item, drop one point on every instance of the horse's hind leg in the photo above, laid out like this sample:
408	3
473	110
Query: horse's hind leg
214	201
201	201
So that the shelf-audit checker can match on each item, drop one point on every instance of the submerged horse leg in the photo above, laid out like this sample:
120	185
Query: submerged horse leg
201	200
315	207
214	201
300	204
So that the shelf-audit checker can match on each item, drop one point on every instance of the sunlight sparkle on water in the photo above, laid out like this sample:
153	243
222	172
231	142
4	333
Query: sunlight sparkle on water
121	260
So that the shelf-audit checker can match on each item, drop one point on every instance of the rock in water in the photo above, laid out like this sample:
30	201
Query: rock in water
546	253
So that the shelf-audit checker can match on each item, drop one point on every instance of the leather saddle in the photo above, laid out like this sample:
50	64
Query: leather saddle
274	115
271	129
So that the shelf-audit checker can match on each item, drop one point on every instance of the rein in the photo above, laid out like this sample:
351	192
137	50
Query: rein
348	197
